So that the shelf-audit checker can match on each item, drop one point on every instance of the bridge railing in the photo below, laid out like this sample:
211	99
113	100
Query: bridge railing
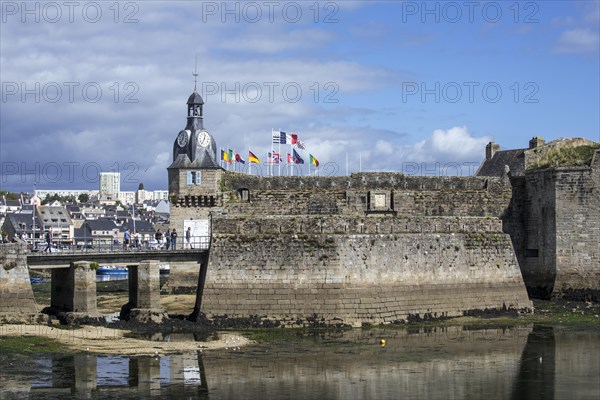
106	245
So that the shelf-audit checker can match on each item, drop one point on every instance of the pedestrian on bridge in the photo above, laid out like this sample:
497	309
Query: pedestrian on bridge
173	239
158	236
188	237
48	241
126	239
167	239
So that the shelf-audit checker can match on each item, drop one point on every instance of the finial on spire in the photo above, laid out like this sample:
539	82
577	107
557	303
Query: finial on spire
195	73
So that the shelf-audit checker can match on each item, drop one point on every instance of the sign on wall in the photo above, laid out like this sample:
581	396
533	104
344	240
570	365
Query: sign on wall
200	227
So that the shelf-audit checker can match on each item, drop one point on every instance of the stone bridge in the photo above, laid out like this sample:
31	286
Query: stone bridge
73	280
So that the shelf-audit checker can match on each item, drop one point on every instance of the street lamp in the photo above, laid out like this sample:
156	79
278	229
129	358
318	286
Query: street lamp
33	218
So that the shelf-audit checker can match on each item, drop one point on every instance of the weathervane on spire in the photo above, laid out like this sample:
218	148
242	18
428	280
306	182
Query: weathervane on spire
195	73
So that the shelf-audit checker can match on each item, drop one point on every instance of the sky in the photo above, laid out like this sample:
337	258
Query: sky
414	87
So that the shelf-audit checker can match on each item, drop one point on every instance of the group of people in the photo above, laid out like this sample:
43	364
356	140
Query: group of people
128	242
169	239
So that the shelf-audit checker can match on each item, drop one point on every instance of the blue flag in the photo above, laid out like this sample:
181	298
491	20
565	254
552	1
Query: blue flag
297	158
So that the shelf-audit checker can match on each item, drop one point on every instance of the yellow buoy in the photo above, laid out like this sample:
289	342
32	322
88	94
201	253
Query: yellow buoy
382	342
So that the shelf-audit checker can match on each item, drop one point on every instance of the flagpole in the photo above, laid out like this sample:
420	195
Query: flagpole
346	163
279	167
271	160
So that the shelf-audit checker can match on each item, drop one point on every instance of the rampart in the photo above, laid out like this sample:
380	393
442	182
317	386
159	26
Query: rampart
555	225
370	248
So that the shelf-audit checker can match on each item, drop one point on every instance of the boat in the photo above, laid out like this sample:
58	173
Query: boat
111	270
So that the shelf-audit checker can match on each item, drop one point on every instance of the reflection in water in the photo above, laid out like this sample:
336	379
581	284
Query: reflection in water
433	363
535	379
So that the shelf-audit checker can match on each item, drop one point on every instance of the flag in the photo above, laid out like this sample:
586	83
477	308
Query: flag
274	158
300	144
224	155
293	137
289	158
253	158
281	137
230	156
239	159
297	158
313	160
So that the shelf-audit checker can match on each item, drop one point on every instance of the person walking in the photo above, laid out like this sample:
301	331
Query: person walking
158	236
167	239
173	239
126	239
188	237
48	241
136	239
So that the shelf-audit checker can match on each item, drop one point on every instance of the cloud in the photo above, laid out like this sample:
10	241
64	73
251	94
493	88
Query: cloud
272	42
578	41
453	145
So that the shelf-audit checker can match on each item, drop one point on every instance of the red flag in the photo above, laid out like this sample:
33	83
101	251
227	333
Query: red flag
294	138
289	158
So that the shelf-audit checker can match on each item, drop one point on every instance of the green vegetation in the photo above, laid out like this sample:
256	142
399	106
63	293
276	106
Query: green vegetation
30	344
62	199
565	157
9	195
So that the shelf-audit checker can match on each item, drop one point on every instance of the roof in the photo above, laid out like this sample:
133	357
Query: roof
140	225
19	219
101	224
515	159
195	98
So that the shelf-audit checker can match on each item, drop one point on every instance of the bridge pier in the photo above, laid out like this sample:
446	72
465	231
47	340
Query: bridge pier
197	314
17	303
73	293
144	293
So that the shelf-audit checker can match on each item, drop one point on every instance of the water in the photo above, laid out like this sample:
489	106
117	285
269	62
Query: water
541	362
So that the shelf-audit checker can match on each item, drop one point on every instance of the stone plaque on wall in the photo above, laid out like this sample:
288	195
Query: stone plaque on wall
380	200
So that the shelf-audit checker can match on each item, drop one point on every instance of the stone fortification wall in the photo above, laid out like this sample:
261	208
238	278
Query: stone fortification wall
271	268
426	196
554	221
16	295
312	225
577	237
369	248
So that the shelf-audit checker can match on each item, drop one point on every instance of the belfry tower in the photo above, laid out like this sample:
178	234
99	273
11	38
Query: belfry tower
194	174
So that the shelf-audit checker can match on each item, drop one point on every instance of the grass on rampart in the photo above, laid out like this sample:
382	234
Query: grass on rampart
565	156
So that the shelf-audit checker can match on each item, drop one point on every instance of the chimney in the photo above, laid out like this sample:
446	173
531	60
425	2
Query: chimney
491	149
536	141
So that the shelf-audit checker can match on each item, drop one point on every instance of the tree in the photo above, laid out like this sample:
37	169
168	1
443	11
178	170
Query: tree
9	195
83	198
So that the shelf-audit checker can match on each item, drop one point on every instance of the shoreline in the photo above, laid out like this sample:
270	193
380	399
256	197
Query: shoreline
102	340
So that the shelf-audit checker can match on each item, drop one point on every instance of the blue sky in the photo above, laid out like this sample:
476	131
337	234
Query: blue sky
400	84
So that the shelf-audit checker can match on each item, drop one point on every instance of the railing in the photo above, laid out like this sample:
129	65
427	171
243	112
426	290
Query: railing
95	245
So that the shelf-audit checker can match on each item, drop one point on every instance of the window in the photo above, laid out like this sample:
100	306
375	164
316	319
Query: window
532	253
244	195
194	178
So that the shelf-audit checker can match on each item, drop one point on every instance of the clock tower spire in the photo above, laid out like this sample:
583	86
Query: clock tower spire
194	146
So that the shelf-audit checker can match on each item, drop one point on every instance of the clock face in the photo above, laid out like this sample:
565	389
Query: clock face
203	138
182	138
